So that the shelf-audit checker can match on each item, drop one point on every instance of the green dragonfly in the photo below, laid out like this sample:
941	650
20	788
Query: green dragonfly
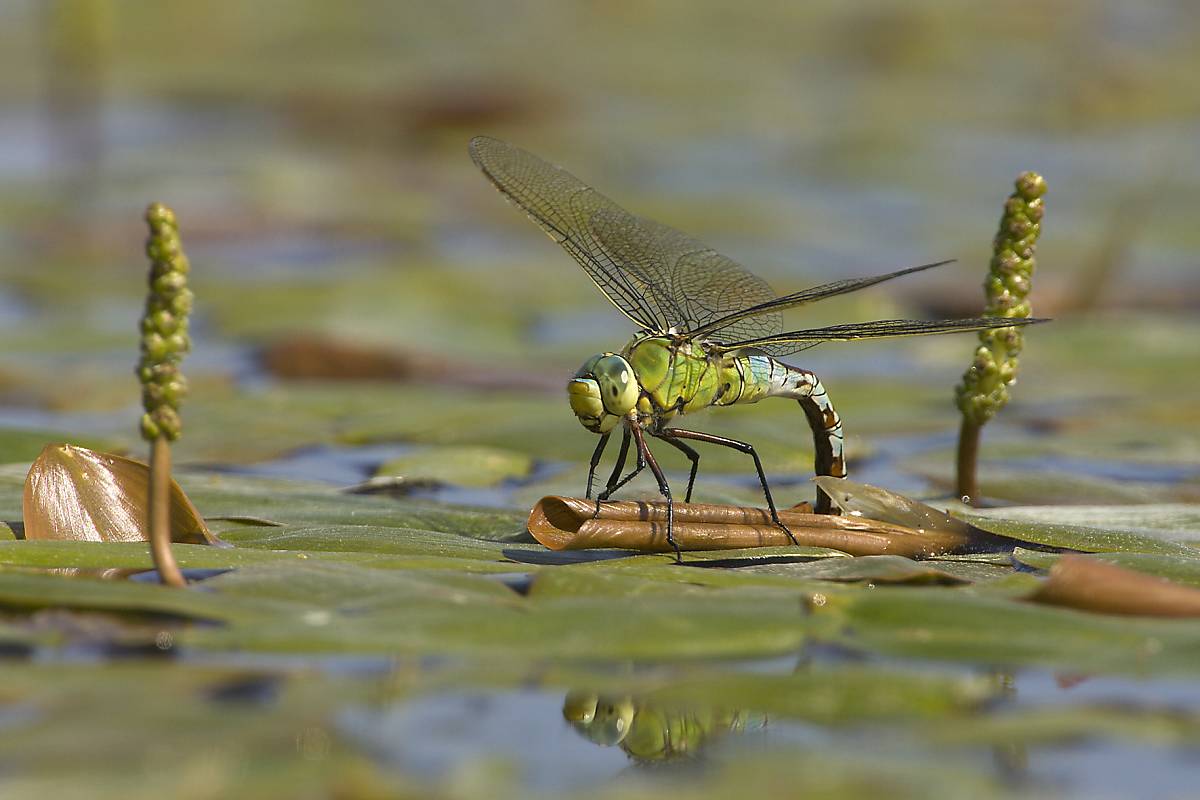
709	331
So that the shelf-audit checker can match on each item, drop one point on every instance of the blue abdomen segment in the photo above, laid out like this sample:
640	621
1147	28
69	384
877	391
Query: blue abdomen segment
751	375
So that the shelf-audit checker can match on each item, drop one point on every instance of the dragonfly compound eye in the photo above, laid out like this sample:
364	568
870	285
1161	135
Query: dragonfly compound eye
618	387
584	396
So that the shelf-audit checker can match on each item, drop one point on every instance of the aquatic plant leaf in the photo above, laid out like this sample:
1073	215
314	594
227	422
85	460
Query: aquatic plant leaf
1062	724
459	465
308	505
80	494
251	731
976	627
328	607
30	592
1172	522
1039	526
828	695
394	540
887	569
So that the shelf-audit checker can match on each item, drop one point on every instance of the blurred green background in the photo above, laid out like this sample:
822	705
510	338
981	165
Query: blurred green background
315	154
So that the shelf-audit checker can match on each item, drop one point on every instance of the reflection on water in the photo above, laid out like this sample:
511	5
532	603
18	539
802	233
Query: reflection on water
649	732
583	739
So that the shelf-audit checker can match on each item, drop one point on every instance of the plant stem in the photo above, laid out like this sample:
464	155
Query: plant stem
967	485
160	513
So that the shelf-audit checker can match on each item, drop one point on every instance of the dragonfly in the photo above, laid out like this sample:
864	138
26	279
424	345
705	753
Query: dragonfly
709	333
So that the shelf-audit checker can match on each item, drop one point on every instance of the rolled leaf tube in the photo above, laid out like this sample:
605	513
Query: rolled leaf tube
572	523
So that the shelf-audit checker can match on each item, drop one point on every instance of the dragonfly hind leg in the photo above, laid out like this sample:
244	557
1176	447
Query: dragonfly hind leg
667	434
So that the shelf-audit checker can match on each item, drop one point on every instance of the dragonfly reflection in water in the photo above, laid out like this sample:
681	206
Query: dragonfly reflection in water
652	733
709	330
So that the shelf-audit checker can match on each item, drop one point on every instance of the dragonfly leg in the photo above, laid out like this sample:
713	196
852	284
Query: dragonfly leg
595	462
742	447
620	462
611	489
645	455
612	484
692	456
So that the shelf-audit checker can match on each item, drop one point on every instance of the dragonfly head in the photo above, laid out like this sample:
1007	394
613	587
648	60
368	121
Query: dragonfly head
603	391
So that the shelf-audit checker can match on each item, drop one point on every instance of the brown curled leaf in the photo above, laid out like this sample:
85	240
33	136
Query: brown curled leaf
1089	584
572	523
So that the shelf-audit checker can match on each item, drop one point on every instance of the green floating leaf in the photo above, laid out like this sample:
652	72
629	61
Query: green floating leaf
1067	724
827	695
372	539
79	494
32	591
889	569
1039	526
461	465
960	625
292	503
320	607
231	731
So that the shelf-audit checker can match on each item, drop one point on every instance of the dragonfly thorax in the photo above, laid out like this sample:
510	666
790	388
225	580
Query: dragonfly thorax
603	391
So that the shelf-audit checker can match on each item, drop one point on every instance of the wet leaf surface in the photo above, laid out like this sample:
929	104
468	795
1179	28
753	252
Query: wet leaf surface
465	466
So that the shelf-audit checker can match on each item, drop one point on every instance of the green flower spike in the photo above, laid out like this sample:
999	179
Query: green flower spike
164	327
164	343
985	386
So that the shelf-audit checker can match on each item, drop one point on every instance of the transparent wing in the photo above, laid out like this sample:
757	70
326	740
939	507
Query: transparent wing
783	344
775	305
562	206
686	280
659	277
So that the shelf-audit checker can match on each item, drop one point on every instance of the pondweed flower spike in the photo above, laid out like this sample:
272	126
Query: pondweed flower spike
984	388
164	343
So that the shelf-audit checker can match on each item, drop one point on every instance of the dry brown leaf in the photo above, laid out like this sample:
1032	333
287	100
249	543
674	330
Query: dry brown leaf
572	523
73	493
1089	584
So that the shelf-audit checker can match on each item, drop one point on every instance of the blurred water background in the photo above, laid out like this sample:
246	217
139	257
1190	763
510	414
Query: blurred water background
315	154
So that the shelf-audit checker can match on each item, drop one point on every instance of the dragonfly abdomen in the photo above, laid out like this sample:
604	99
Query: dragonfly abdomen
748	375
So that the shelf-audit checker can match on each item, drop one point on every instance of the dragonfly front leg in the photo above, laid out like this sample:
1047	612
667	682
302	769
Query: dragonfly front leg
645	455
743	447
612	485
595	462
